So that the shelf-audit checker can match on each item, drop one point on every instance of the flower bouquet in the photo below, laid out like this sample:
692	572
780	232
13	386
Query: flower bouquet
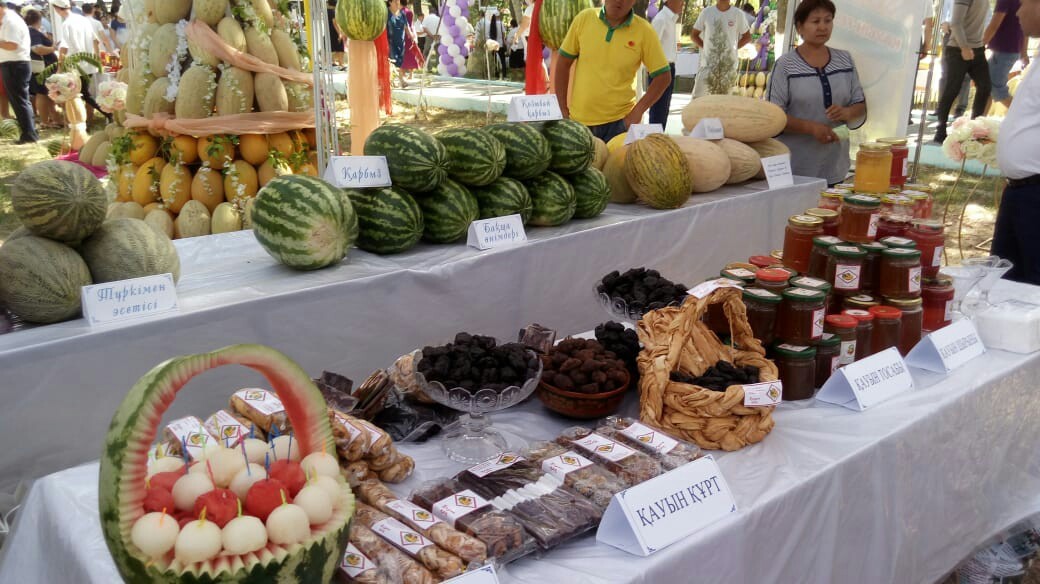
967	140
61	87
112	96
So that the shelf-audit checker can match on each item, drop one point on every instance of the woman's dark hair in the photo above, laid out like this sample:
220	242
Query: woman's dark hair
32	17
806	7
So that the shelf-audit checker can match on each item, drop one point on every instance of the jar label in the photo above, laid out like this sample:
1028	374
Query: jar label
848	352
795	348
835	362
948	313
817	323
802	292
898	241
742	273
807	282
937	256
875	218
760	293
846	276
906	166
914	275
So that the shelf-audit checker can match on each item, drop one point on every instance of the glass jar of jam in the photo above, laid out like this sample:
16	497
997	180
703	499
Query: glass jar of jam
843	326
791	272
873	168
772	279
870	281
897	207
922	203
913	321
798	237
860	302
810	283
819	255
742	275
937	299
831	198
778	255
796	366
931	241
829	217
888	322
900	273
895	241
801	316
864	331
762	308
900	160
845	268
859	218
828	353
892	227
845	186
762	261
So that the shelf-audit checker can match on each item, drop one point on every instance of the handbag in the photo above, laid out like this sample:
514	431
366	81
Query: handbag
37	66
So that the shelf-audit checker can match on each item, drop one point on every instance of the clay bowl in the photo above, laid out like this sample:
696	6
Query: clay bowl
582	406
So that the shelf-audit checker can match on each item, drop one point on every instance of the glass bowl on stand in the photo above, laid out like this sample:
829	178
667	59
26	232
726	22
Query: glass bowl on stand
993	269
965	278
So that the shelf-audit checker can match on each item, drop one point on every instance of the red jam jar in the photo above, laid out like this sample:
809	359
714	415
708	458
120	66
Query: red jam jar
832	198
845	268
870	281
798	240
864	331
913	321
860	302
801	316
828	355
796	367
892	227
888	321
900	160
819	255
772	279
829	217
930	240
762	307
897	206
859	218
937	301
762	261
843	326
900	273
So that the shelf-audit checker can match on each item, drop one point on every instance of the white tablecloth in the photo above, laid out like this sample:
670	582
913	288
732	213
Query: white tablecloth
60	384
897	494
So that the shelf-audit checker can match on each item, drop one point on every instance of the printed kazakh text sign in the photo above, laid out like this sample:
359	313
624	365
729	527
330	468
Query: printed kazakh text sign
778	171
655	514
947	348
640	131
497	232
482	575
127	299
358	172
708	129
868	382
534	108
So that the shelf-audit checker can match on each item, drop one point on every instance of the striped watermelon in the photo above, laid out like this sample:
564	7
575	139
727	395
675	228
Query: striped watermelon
59	200
129	248
553	197
389	219
304	222
571	145
555	19
505	196
361	20
475	157
447	212
527	151
658	172
124	464
591	191
40	279
417	161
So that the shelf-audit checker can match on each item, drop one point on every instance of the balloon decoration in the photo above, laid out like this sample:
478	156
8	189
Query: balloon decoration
652	9
453	51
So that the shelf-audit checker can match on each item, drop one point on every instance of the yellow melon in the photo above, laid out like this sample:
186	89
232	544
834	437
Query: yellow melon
146	182
216	151
253	148
616	142
282	143
240	182
143	147
208	188
272	167
184	149
175	186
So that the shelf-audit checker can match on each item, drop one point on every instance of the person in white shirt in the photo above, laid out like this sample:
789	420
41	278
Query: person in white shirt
665	23
431	25
77	36
99	28
1015	235
719	31
15	70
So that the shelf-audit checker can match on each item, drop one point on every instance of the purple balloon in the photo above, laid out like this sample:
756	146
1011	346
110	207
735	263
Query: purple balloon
464	51
452	69
446	58
442	50
453	31
546	52
651	11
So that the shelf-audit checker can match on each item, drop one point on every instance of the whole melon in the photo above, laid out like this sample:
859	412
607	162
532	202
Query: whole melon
129	248
258	44
591	191
527	151
162	49
555	19
600	159
447	212
210	11
270	93
40	279
59	200
234	92
194	220
709	164
226	218
155	100
231	32
201	56
361	20
197	92
86	152
614	171
571	145
169	11
743	118
505	196
744	161
418	162
767	148
475	157
553	199
284	46
160	220
389	219
658	172
617	142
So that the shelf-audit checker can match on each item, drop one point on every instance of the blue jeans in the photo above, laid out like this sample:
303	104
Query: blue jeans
659	111
607	131
1000	65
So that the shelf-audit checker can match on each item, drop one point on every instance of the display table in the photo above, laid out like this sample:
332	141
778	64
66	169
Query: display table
899	493
61	383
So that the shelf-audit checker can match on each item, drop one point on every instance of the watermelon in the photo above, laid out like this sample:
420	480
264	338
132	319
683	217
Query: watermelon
553	198
304	222
59	200
40	279
447	212
361	20
389	219
417	161
591	191
475	157
505	196
571	145
129	248
527	151
124	461
555	19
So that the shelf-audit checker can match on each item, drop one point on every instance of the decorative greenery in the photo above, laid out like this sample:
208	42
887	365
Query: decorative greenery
71	63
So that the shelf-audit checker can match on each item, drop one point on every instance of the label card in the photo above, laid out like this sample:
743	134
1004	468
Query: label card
778	171
759	395
495	464
708	129
655	440
534	108
947	348
497	232
568	462
129	299
868	382
653	515
640	131
397	533
704	288
482	575
358	172
355	563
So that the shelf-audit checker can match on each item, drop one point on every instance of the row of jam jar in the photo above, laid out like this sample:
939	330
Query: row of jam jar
881	164
903	205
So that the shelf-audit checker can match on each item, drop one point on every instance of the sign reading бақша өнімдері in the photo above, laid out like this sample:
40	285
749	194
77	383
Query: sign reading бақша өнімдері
496	232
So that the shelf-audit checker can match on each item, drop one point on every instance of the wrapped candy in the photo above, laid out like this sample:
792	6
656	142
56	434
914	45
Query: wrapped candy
413	543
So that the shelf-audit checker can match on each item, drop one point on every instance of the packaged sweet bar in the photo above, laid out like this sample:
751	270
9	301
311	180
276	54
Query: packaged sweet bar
187	432
351	440
355	472
357	568
263	408
585	477
672	452
632	466
231	428
443	564
395	564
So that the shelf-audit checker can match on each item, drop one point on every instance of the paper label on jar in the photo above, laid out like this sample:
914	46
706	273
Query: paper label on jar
704	288
451	509
355	563
605	448
504	460
413	513
937	256
846	276
399	534
835	363
848	352
564	464
742	273
875	218
906	166
651	438
914	276
261	400
802	292
807	282
795	348
948	312
817	323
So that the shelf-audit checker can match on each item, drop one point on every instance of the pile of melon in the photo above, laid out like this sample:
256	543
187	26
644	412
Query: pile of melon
65	243
753	84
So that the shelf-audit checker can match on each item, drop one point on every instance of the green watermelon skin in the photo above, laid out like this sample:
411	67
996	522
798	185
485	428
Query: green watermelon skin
362	20
389	219
555	19
591	192
527	151
475	157
418	162
41	279
571	145
447	212
505	196
59	200
554	199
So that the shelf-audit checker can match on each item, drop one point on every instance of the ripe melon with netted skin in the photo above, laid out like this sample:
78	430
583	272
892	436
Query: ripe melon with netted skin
59	200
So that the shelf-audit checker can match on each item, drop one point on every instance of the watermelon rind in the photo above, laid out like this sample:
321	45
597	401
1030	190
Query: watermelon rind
572	147
389	219
527	151
59	200
505	196
591	192
129	248
475	157
447	212
417	161
41	280
554	199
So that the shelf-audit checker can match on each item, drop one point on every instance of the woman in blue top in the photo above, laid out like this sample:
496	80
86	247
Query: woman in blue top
396	22
819	89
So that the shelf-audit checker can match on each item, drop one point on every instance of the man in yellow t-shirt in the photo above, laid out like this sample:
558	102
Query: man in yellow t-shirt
609	44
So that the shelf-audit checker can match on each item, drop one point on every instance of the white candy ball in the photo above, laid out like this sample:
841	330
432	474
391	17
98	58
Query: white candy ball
454	50
198	542
331	487
455	11
243	535
285	447
155	534
225	464
288	524
315	503
165	464
320	463
256	449
190	487
245	479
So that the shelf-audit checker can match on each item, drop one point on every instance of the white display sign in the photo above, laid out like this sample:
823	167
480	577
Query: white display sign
640	131
497	232
947	348
758	395
482	575
778	171
708	129
128	299
704	288
653	515
687	63
534	108
358	172
868	382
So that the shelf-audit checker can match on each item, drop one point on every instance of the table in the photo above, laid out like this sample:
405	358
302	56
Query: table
897	494
61	383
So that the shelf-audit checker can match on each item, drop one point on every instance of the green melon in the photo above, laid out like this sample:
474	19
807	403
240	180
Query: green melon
505	196
362	20
554	199
129	248
527	151
447	212
389	219
555	19
59	200
475	157
124	463
572	147
591	193
304	222
417	161
40	279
